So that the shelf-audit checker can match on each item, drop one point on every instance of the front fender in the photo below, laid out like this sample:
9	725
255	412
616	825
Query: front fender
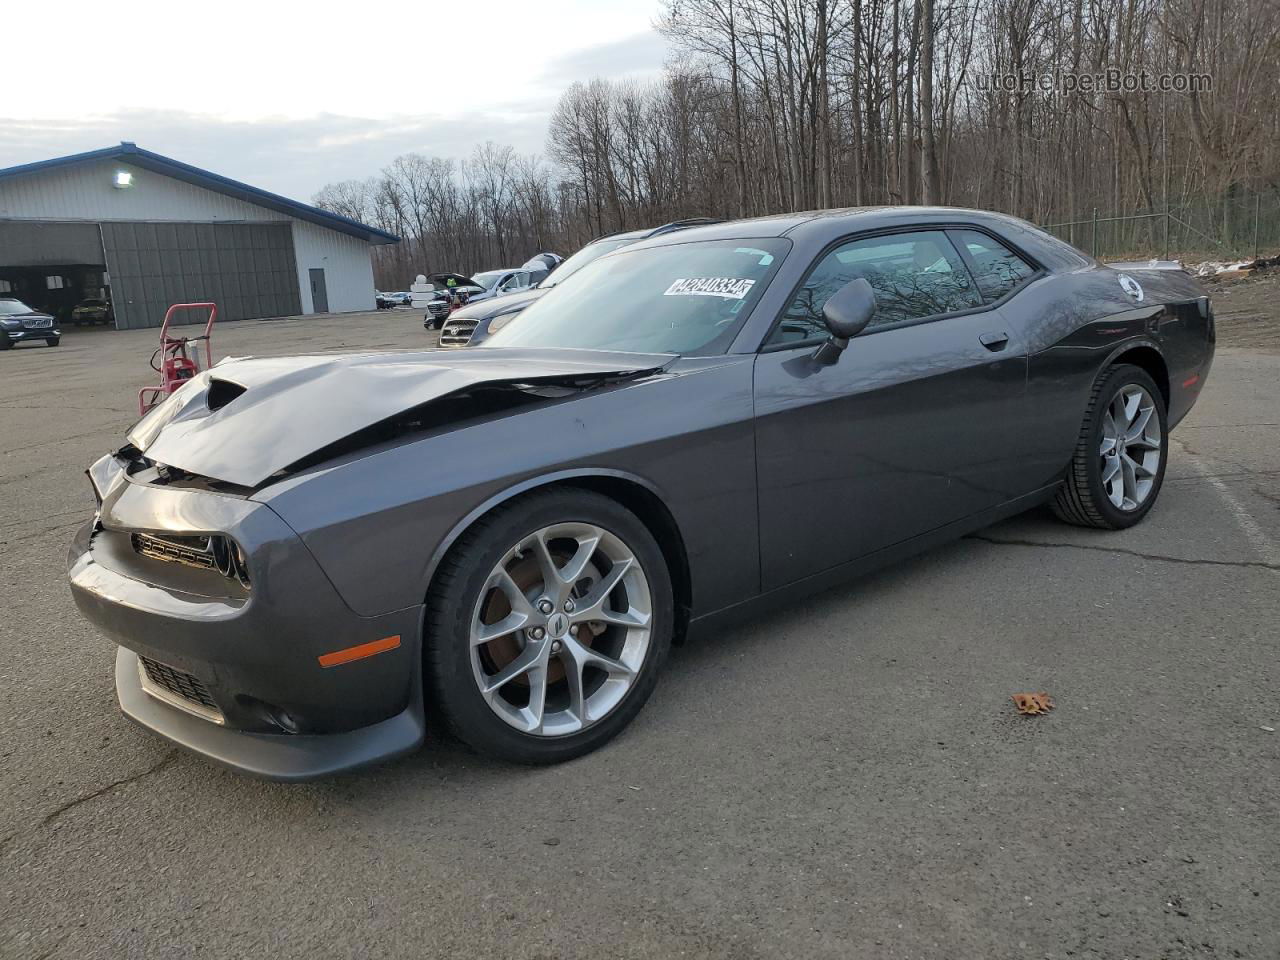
525	486
380	522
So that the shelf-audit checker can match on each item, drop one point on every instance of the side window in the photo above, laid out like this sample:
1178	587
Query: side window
914	275
996	269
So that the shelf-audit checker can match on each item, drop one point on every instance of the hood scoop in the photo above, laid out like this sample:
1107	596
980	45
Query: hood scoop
245	420
221	392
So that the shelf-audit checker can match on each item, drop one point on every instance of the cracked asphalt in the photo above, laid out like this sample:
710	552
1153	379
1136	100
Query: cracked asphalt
843	779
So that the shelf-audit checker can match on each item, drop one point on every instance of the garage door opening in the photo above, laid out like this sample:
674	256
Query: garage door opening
124	275
77	294
59	269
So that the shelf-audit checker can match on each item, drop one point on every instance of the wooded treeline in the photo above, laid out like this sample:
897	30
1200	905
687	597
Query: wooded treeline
776	105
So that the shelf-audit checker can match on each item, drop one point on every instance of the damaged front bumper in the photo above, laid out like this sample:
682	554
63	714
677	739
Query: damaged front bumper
242	671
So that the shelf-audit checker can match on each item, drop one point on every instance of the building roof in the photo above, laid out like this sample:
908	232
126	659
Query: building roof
157	163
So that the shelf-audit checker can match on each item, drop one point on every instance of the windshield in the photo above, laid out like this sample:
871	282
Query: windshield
686	298
588	254
489	278
10	307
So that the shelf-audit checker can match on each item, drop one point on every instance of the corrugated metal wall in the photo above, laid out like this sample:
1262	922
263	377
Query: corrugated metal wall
246	269
84	192
348	268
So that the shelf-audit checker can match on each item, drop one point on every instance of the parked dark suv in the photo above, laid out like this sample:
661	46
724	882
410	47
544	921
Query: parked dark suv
19	323
473	323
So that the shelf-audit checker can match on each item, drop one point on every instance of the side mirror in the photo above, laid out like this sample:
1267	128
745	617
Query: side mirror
846	314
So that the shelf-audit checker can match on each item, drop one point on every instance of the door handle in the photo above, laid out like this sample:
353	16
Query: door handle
995	342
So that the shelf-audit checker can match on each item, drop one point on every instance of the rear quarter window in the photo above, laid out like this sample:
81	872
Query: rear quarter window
997	270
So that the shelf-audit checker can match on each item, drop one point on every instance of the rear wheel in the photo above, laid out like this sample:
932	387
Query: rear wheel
1118	466
547	625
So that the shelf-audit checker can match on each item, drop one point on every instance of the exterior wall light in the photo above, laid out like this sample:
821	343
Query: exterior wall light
123	180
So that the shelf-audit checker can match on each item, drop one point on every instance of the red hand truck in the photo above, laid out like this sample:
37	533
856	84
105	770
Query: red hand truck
175	365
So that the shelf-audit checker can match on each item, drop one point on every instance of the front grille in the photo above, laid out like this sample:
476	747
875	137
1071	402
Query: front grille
191	694
438	308
458	333
193	551
38	323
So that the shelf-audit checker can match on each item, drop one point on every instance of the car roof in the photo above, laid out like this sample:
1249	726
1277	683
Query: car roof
673	226
819	227
773	226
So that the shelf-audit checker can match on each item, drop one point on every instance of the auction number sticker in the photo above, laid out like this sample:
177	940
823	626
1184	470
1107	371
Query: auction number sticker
731	288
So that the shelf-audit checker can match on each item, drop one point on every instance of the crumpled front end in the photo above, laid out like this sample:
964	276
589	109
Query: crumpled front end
233	642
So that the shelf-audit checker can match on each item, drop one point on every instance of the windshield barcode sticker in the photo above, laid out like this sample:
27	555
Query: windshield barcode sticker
731	288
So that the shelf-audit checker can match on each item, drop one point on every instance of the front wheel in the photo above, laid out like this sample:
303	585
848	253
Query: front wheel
1118	466
53	341
547	625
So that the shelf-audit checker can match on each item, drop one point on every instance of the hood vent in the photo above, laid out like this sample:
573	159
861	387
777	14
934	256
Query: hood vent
222	392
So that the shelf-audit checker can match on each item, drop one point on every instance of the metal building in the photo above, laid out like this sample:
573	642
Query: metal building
142	231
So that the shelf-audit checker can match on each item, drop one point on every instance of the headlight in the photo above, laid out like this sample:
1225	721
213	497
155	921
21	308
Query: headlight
497	323
10	324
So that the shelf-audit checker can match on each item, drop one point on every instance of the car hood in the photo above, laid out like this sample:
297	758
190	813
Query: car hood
244	420
495	306
459	280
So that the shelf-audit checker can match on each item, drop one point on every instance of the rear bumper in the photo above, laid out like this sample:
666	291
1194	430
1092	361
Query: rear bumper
1189	348
1186	391
268	705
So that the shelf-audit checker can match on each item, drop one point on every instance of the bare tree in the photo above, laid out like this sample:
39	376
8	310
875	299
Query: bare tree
777	105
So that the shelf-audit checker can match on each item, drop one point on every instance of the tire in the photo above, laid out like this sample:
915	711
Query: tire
53	341
5	342
463	586
1087	498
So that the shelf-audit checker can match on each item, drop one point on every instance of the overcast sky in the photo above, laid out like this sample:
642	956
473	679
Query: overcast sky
290	96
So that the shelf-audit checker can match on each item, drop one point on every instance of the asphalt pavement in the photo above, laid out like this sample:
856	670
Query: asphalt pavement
847	778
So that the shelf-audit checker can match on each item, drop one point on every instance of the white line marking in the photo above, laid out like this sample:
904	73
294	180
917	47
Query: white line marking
1262	543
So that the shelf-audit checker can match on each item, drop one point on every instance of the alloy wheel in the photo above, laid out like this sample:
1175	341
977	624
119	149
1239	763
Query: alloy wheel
561	628
1131	447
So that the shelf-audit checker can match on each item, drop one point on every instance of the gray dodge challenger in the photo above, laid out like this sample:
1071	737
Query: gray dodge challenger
302	559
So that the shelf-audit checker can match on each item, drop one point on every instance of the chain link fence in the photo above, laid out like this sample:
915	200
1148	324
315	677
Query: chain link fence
1240	226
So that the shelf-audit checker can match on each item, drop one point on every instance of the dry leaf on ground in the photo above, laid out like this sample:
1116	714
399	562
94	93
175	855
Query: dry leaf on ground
1032	703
